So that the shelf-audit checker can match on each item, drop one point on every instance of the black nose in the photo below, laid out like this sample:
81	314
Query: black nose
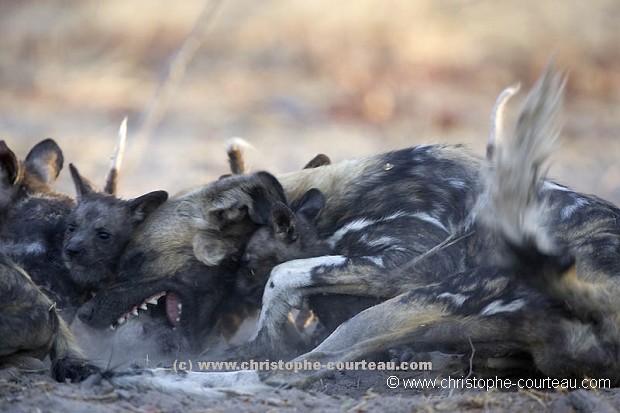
86	312
73	252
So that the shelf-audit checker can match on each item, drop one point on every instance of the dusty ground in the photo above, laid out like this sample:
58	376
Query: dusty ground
295	79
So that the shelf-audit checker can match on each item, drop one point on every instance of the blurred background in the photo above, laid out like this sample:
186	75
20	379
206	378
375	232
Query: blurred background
297	78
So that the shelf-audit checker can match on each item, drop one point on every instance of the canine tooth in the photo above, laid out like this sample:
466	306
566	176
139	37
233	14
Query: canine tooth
143	306
152	301
180	307
112	328
134	311
121	321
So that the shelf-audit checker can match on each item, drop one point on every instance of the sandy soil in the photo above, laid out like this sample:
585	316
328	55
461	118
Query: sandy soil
296	79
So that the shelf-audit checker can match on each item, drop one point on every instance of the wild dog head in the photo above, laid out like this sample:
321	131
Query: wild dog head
290	234
181	261
98	230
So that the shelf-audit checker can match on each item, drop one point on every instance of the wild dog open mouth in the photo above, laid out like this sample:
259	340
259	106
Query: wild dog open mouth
173	308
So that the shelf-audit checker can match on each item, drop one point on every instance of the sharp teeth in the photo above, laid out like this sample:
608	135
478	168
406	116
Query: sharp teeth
143	306
121	321
180	307
152	301
112	328
178	319
134	311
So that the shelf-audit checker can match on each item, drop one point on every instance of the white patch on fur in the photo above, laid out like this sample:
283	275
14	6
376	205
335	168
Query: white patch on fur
360	224
552	186
457	183
432	220
383	241
30	248
457	299
377	260
497	306
569	210
352	226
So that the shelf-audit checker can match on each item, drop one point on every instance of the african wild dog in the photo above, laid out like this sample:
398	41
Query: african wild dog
99	228
550	298
30	327
33	221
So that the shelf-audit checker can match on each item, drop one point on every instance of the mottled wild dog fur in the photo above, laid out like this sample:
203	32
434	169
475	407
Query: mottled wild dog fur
99	228
32	220
545	301
31	328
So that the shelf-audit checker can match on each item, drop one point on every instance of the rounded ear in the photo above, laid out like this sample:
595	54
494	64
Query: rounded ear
83	188
9	166
283	222
310	205
265	192
45	161
319	160
142	206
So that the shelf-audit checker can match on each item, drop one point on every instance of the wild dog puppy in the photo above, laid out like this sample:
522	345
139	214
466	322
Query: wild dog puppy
30	327
99	228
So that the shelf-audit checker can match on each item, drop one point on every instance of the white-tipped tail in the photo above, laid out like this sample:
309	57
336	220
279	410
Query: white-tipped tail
512	206
116	160
497	117
234	150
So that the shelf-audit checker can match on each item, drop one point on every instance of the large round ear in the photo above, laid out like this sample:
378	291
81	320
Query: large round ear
142	206
83	188
283	222
264	194
44	161
310	205
9	166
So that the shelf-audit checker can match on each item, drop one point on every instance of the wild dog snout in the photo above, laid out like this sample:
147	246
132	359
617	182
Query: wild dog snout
86	313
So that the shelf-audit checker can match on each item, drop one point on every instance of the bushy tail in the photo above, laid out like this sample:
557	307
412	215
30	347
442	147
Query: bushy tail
519	165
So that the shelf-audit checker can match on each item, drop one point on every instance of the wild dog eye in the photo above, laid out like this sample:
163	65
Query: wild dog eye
102	234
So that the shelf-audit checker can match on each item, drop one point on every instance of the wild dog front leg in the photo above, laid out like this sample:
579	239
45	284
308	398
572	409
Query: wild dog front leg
290	282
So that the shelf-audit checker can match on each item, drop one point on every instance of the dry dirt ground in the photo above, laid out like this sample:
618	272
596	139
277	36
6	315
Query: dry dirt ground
295	79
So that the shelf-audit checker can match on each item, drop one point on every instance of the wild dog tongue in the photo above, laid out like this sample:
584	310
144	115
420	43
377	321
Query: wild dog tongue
172	308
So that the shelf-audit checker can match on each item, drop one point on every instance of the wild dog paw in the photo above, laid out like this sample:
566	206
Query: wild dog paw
74	369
